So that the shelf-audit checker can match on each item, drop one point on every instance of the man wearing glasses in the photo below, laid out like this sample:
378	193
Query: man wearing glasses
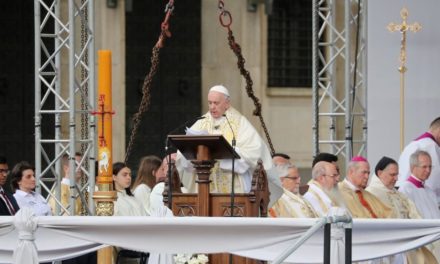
291	203
429	142
8	205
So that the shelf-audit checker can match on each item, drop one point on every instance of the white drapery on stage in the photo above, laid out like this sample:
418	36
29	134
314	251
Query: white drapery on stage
261	238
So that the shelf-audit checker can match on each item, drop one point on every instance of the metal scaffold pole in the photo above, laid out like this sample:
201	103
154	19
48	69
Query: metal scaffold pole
65	76
339	77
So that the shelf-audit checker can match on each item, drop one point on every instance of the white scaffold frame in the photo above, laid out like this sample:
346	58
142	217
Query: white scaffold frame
59	89
339	95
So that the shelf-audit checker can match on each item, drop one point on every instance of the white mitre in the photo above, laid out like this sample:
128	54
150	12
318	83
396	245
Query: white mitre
220	89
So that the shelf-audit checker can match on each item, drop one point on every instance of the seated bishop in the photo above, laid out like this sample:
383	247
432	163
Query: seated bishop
361	203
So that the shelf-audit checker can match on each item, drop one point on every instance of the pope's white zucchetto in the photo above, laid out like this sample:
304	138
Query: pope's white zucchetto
220	89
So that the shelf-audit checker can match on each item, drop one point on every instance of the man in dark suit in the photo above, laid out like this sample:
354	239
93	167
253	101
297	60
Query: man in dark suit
8	205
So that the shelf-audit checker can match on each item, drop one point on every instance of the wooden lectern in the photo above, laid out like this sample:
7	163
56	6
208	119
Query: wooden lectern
203	151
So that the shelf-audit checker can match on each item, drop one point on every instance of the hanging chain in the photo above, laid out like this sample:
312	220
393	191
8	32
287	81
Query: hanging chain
225	19
84	99
146	87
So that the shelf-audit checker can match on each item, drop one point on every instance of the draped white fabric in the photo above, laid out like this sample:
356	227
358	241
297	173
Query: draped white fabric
26	224
262	238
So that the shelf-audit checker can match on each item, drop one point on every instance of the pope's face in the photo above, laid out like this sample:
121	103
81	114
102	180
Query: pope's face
218	104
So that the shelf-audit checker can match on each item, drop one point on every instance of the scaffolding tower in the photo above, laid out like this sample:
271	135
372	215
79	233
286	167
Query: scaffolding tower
339	77
64	100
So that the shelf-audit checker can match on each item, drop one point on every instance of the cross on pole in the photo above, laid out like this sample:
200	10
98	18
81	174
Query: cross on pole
102	113
403	28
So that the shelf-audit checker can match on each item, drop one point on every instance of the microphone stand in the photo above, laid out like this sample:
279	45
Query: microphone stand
233	168
170	163
169	175
233	178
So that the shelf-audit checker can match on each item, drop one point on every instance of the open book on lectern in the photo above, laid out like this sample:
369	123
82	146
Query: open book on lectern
188	145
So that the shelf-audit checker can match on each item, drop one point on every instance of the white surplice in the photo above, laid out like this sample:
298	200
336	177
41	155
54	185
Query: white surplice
423	198
142	193
126	205
430	146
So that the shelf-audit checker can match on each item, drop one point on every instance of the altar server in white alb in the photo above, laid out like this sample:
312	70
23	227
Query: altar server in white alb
249	145
428	142
416	190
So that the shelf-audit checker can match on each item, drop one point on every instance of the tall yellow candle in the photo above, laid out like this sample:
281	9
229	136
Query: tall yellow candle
104	117
105	196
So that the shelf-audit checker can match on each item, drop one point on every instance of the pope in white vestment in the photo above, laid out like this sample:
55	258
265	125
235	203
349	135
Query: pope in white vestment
222	119
428	142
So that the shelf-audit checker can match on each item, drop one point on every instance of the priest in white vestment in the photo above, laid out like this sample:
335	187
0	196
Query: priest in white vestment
382	186
291	203
323	188
429	142
222	119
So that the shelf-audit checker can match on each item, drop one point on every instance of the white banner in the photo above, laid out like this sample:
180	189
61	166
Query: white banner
262	238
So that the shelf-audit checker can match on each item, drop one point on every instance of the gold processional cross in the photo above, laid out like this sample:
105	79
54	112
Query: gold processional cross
403	28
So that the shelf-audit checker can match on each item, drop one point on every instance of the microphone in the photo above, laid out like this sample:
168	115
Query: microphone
232	130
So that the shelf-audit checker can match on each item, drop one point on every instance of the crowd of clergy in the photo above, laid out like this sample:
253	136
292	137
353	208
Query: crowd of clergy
408	189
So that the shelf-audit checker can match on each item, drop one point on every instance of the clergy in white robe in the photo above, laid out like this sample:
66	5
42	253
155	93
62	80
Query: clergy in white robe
415	189
382	186
428	142
323	187
225	120
291	203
